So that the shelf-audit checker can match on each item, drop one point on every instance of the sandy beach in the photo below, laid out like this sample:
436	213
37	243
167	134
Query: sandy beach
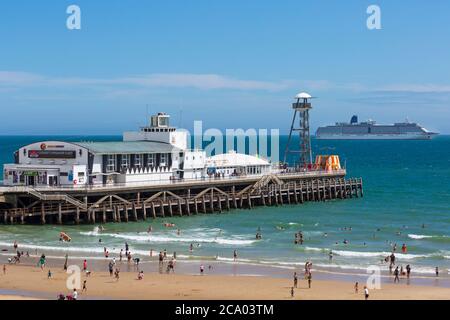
100	285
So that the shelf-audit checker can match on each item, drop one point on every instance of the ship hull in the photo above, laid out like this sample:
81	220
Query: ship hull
377	137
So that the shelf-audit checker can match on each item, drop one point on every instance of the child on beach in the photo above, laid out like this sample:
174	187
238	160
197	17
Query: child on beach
49	275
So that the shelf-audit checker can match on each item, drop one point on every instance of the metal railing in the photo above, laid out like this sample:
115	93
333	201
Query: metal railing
290	172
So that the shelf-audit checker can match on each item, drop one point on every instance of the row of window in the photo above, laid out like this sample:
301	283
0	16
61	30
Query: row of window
138	161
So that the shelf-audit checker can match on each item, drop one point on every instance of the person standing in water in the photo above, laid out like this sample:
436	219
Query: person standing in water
235	255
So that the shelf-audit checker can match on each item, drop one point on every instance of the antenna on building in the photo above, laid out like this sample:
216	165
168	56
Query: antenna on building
302	107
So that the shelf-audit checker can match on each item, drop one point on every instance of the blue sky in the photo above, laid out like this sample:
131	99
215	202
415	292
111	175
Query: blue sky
232	64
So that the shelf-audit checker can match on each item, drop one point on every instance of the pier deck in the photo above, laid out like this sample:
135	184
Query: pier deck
140	201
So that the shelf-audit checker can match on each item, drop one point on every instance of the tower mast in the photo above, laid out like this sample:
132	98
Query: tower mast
302	107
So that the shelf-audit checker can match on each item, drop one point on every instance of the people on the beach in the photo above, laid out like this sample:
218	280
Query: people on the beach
170	266
84	265
366	293
295	279
66	260
396	275
41	262
84	289
4	269
202	268
408	270
235	255
111	268
292	292
309	280
141	275
75	294
49	274
356	287
437	271
117	274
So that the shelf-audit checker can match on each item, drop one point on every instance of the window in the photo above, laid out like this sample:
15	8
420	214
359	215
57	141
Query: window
137	160
163	159
111	163
151	160
125	161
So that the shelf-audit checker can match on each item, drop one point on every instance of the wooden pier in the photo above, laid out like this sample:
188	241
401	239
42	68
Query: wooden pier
24	205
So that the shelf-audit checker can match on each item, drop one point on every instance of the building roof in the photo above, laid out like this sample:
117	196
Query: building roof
233	159
123	147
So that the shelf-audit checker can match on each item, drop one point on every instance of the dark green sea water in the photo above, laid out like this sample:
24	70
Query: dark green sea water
406	184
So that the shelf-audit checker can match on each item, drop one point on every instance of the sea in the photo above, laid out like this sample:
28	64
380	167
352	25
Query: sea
406	201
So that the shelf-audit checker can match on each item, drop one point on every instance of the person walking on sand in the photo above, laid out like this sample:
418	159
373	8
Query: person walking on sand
84	265
75	294
309	280
4	269
356	287
84	287
292	292
117	274
66	261
366	293
295	279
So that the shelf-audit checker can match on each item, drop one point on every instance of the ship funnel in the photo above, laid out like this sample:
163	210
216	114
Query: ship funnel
354	120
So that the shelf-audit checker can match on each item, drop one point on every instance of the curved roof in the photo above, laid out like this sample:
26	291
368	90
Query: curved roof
303	95
234	159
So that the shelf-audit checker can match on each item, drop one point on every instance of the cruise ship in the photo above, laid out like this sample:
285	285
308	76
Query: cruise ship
371	130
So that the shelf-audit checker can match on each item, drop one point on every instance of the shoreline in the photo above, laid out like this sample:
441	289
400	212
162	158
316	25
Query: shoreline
231	268
238	281
27	282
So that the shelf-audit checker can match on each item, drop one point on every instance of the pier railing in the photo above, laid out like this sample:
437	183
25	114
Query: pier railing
281	173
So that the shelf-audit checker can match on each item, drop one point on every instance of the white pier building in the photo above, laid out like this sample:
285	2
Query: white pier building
155	153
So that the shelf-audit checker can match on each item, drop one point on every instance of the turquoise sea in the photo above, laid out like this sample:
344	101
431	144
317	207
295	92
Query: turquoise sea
406	201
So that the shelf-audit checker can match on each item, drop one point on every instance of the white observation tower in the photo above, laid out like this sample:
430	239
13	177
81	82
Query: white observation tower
301	106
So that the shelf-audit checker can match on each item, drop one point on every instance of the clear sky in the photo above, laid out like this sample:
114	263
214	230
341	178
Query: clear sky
231	63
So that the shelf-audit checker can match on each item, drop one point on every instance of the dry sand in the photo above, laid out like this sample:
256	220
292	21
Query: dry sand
177	286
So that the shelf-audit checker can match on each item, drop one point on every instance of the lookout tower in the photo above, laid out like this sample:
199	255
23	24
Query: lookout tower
302	107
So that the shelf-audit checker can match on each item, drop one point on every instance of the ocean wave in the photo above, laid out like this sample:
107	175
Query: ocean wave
421	236
146	237
418	236
356	254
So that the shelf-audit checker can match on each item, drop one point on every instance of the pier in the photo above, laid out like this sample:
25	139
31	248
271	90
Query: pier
135	202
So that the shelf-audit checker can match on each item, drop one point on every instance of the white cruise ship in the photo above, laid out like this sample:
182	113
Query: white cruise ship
371	130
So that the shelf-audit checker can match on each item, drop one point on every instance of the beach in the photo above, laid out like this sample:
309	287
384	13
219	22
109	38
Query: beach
216	287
